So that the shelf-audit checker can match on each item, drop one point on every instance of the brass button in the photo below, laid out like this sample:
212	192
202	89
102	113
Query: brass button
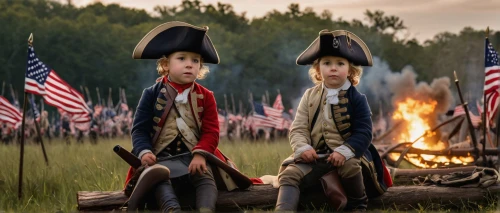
168	148
182	131
348	116
324	124
324	102
185	114
178	149
178	143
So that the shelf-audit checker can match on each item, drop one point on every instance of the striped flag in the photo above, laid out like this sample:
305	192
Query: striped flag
492	79
459	110
42	80
222	125
278	104
9	113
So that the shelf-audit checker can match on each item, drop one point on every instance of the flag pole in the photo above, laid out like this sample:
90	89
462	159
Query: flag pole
21	156
469	121
233	104
37	127
3	87
98	96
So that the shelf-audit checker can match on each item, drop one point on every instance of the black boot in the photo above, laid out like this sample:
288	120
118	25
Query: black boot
355	191
206	197
166	198
288	198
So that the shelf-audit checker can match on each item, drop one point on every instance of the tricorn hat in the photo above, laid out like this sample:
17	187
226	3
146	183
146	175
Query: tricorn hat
341	43
176	36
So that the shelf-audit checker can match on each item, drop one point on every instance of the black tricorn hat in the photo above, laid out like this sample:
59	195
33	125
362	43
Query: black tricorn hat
176	36
341	43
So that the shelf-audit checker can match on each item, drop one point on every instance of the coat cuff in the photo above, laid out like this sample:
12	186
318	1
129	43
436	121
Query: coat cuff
301	150
345	151
143	152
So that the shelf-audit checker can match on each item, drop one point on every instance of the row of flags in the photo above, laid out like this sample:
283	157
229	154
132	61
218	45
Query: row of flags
263	116
41	80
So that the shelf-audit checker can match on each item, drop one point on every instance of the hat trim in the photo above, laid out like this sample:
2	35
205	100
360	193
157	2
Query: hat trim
137	54
351	35
356	38
297	60
212	44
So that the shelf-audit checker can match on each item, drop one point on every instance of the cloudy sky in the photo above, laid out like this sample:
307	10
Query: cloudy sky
424	18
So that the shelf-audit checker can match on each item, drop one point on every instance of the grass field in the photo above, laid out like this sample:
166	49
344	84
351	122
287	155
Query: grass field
86	167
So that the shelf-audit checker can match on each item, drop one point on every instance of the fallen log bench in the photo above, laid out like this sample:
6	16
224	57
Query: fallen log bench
264	197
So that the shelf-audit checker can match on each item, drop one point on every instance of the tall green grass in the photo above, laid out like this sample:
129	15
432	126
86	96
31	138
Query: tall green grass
86	167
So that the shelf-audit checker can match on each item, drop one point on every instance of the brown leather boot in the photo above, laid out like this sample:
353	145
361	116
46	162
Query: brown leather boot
355	191
288	198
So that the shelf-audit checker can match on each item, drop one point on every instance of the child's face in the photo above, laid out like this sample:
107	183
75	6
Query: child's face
334	71
183	67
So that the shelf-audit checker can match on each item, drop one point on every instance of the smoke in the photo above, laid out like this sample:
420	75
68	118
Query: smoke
384	88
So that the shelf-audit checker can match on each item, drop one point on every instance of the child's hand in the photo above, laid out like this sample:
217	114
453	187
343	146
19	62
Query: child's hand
198	164
309	156
148	159
336	159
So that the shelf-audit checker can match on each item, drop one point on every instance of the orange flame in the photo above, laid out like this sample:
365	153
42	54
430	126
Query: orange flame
416	116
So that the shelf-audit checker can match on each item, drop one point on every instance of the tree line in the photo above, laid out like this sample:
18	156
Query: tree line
92	46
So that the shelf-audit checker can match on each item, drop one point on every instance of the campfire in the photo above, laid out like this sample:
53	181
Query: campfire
416	118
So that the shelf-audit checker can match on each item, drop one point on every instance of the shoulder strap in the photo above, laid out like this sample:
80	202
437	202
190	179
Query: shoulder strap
317	112
170	102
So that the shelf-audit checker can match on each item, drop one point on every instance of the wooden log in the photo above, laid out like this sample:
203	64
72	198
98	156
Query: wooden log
264	197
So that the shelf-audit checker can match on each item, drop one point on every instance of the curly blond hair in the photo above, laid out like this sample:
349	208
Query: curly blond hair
164	61
354	74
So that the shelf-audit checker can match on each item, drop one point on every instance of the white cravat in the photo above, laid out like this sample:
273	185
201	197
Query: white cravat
332	95
182	97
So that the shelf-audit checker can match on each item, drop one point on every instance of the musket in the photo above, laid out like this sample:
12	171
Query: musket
83	92
98	96
124	97
233	104
225	104
88	94
128	157
469	121
110	100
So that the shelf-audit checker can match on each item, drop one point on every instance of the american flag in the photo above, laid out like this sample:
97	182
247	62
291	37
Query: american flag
492	79
278	104
265	116
222	125
42	80
475	119
9	113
